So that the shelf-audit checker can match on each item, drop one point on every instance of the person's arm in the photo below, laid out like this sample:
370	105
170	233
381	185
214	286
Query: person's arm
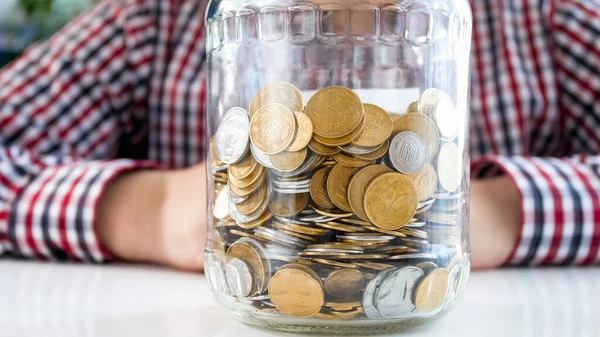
536	89
545	211
65	106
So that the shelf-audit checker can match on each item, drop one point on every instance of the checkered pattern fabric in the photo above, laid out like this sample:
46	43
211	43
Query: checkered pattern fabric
127	80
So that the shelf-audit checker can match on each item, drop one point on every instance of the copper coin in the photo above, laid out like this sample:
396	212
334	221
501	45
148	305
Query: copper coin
391	200
378	127
272	128
337	186
278	92
344	282
318	189
335	112
358	187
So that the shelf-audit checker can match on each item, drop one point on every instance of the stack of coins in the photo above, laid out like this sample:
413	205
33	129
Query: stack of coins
338	210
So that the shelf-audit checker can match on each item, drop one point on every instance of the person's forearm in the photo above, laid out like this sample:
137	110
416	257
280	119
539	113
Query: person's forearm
495	221
158	217
129	215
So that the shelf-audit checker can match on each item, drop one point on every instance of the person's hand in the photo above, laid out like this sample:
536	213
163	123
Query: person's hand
495	220
156	217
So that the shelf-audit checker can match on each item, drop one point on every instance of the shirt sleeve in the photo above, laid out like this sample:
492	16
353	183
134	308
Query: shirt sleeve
560	207
65	107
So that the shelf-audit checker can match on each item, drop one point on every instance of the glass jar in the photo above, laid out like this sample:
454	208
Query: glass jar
338	165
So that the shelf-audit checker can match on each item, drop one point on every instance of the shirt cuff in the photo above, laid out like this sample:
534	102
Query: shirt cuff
54	215
560	208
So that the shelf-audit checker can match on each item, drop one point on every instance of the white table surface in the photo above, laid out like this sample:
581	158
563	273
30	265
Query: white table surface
41	299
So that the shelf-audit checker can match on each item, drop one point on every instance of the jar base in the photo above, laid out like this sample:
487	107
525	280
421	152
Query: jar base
340	328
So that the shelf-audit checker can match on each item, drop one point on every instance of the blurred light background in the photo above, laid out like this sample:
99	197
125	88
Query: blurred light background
24	22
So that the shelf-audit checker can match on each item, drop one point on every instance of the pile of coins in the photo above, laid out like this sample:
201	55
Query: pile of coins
338	210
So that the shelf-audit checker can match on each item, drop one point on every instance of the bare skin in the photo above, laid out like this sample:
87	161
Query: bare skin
160	217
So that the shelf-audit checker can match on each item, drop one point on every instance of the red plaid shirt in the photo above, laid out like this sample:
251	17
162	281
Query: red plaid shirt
128	78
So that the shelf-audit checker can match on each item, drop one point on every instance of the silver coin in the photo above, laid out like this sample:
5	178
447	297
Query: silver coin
408	152
446	118
292	221
260	249
429	100
215	275
260	156
394	298
317	218
221	208
293	184
411	256
447	196
239	278
426	202
358	150
331	250
366	237
416	224
273	233
233	136
218	168
368	301
236	199
454	282
450	163
313	160
242	218
291	191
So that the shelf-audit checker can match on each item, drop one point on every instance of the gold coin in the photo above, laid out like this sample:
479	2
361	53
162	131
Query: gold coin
244	192
272	128
385	231
344	282
296	293
378	127
250	180
332	214
283	93
343	306
391	200
413	108
266	216
301	229
333	263
344	140
341	256
337	186
288	161
424	127
335	112
349	160
245	251
347	315
357	222
321	149
244	168
339	227
334	245
426	181
303	268
431	292
358	187
382	151
298	235
374	265
450	163
253	203
244	234
304	132
318	189
286	205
